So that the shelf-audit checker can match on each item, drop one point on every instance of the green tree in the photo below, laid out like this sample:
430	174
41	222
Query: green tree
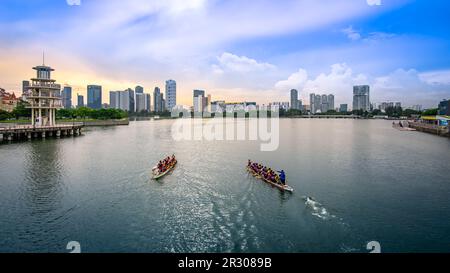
376	112
21	111
4	115
430	112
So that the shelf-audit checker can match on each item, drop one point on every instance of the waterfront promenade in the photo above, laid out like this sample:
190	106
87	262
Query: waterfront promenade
18	132
430	128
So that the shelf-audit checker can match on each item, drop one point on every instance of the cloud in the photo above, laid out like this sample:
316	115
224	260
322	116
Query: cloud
413	87
339	81
241	64
374	2
355	35
295	81
235	72
408	86
441	77
73	2
351	33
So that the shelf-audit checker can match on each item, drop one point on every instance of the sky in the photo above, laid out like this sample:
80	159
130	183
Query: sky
235	50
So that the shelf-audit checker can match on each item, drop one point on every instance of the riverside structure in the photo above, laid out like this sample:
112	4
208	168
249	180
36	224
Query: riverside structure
44	99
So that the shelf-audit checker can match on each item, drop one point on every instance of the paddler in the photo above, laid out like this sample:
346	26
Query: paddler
282	177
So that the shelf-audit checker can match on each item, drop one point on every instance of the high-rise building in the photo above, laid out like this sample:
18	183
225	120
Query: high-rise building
80	100
330	102
42	95
157	100
148	102
25	85
140	102
361	97
163	103
444	108
114	99
294	99
312	101
124	100
139	89
417	107
199	100
131	100
343	108
120	100
318	103
321	103
171	94
280	105
66	96
94	96
398	104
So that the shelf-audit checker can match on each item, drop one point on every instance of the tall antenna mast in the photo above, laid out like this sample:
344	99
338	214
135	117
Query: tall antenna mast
43	58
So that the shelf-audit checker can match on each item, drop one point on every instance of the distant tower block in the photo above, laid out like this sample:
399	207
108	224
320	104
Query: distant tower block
43	96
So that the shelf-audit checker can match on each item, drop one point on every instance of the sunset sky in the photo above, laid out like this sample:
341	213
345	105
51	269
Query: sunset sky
235	50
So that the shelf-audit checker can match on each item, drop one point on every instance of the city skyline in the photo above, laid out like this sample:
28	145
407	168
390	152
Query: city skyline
350	43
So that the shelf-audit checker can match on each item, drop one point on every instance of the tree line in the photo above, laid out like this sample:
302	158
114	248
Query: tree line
21	112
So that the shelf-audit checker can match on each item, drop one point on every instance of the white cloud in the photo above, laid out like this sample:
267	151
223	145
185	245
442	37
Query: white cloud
233	71
241	64
413	87
339	81
408	86
295	81
374	2
355	35
351	33
73	2
440	77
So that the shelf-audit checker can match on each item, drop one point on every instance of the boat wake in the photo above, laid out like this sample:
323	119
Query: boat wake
317	209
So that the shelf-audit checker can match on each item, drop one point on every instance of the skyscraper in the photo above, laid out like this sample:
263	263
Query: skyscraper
66	95
199	97
80	100
124	100
131	100
294	99
317	103
361	97
171	94
94	96
330	101
312	101
114	99
139	89
163	103
148	103
140	102
157	100
25	85
343	108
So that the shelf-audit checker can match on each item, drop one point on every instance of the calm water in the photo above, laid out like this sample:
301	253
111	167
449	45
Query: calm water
373	183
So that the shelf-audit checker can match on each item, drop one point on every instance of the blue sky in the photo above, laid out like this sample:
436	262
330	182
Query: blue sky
236	50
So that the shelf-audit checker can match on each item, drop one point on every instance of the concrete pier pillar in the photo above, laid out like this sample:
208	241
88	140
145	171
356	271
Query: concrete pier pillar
10	137
50	134
29	136
43	134
35	135
58	133
1	139
64	132
71	132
